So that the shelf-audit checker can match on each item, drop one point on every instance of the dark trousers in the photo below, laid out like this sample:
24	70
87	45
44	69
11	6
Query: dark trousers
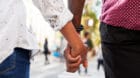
121	51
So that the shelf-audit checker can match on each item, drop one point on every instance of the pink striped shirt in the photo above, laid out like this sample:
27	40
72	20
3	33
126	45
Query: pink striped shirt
122	13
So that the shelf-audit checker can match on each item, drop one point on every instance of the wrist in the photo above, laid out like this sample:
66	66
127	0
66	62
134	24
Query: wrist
79	28
78	50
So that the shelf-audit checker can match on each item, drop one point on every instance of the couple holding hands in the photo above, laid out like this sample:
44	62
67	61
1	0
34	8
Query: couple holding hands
119	28
21	44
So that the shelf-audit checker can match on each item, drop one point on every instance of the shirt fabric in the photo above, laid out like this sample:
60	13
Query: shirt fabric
68	75
122	13
13	29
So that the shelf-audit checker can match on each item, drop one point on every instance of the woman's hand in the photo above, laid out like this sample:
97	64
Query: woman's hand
72	63
75	42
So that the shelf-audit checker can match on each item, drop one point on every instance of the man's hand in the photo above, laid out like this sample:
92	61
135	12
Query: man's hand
77	54
76	7
71	62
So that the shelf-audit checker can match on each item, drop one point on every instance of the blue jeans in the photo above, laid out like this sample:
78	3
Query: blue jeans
16	65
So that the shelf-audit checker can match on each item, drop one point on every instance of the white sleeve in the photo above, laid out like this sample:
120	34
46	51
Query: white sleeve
68	75
54	12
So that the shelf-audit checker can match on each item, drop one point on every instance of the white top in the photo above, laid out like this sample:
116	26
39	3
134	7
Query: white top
13	29
68	75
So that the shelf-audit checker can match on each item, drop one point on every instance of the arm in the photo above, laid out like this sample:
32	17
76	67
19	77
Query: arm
74	39
60	19
76	7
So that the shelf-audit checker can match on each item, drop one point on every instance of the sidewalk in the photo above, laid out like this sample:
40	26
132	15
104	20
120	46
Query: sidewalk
39	70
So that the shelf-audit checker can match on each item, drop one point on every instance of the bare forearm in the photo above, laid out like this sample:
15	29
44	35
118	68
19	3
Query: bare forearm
76	7
73	38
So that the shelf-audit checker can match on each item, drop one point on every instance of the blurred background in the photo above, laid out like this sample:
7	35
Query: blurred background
49	63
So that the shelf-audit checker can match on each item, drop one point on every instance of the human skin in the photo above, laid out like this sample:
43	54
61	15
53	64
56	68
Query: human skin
77	49
76	7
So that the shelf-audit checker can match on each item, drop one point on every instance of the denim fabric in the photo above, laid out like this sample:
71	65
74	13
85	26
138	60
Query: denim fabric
16	65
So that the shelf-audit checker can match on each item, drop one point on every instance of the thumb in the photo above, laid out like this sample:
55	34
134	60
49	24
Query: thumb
85	64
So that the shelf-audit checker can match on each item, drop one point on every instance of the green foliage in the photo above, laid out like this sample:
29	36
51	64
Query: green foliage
94	30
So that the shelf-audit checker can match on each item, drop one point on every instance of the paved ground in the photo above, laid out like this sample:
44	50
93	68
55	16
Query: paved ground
39	70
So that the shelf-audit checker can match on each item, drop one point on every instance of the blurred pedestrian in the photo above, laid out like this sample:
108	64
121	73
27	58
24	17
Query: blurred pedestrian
88	41
57	53
46	52
100	58
100	62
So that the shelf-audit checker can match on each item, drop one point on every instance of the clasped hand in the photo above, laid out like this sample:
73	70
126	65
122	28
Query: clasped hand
73	62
